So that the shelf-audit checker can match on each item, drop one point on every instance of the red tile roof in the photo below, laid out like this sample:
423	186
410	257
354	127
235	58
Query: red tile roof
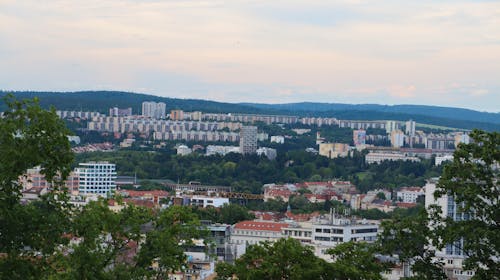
264	226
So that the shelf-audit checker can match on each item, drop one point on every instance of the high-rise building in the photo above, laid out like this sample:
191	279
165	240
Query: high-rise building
397	138
177	115
410	128
359	137
96	178
248	140
452	253
390	126
153	109
117	112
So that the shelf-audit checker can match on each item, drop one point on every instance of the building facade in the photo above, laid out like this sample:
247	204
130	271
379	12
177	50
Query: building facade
96	178
248	140
153	110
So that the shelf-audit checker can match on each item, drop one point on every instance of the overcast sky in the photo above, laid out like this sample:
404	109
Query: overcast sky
270	51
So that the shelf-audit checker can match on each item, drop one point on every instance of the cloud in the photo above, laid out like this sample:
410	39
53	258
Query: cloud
346	50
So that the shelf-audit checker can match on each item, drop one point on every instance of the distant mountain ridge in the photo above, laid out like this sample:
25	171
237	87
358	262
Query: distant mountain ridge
425	110
101	101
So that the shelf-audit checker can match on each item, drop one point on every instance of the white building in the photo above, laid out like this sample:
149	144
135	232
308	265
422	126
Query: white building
441	159
377	157
183	150
390	126
268	152
221	150
409	194
153	110
410	128
278	139
451	254
205	201
96	178
248	139
251	232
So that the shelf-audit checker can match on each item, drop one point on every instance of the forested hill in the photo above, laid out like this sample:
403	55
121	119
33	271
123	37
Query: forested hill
423	110
102	100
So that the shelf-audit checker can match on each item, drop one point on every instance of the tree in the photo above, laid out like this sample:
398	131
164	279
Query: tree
106	239
355	260
409	238
30	234
472	180
172	232
284	259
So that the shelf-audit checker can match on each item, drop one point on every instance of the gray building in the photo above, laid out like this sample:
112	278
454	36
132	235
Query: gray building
248	140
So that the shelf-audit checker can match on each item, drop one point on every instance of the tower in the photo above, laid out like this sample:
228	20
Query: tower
248	140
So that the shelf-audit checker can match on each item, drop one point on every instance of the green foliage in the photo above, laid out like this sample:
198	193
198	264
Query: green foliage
284	259
173	231
356	260
472	179
409	238
106	237
29	234
35	237
227	214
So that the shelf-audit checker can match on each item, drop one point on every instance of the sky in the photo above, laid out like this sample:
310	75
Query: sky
443	52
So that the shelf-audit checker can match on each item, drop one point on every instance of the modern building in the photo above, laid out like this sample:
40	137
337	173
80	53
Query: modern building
183	150
248	140
452	254
117	112
96	178
153	110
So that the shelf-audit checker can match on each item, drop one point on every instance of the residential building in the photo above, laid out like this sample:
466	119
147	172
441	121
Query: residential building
410	128
252	232
118	112
183	150
355	124
359	137
177	115
462	138
33	179
409	194
377	157
248	140
333	150
221	150
397	138
278	139
390	126
97	178
452	254
153	110
77	114
440	159
268	152
206	201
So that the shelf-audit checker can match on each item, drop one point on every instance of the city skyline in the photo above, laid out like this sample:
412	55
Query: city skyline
385	52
